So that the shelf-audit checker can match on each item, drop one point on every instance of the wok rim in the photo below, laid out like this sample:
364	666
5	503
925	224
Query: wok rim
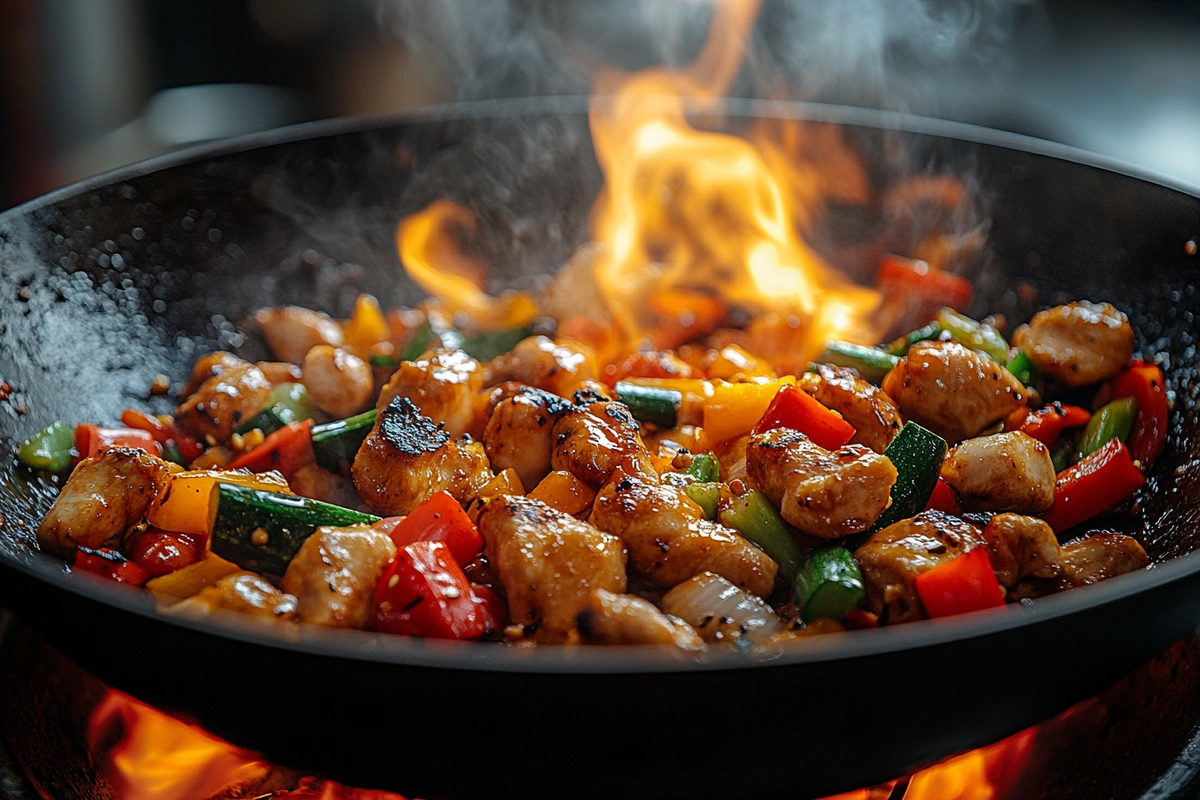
366	646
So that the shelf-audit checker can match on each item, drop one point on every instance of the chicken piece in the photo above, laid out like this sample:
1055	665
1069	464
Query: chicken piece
291	331
1005	472
953	391
338	381
105	496
520	433
209	366
406	459
593	441
721	612
321	484
669	540
823	493
875	418
560	367
625	619
1022	547
1079	343
893	557
232	395
243	592
444	385
1098	557
333	576
549	563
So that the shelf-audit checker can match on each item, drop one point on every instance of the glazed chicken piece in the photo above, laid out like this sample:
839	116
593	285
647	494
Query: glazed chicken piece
669	540
625	619
407	458
291	331
1004	472
549	564
559	367
951	390
445	385
875	418
1079	343
1098	557
721	612
520	433
333	576
236	391
893	557
243	592
105	496
823	493
209	366
1022	547
592	441
338	381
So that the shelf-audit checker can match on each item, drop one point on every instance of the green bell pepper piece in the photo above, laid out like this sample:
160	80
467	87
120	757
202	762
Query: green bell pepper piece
49	449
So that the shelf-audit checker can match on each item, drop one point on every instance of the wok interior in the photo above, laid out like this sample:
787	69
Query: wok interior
106	286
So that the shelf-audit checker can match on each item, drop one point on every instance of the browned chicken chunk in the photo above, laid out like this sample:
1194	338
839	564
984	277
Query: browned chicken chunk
520	433
593	441
1098	557
1079	343
625	619
407	458
1022	547
243	592
669	540
292	331
823	493
560	367
892	559
105	496
875	418
953	391
1004	472
445	385
333	576
549	564
222	402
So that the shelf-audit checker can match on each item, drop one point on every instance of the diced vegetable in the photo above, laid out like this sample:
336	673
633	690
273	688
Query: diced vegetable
913	278
262	531
733	362
91	440
1047	424
492	606
917	454
438	519
735	408
110	564
49	449
506	481
652	404
286	450
944	499
755	517
829	584
185	505
899	347
859	619
707	496
335	444
486	345
1113	421
161	552
422	339
978	336
185	582
423	592
367	326
177	446
1145	382
1021	367
1098	483
704	468
564	491
288	402
796	409
872	363
964	583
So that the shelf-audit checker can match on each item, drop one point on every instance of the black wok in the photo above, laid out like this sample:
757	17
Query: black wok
110	281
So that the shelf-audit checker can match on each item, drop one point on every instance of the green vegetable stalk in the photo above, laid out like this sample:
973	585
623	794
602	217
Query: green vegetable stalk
1113	421
975	335
870	362
755	517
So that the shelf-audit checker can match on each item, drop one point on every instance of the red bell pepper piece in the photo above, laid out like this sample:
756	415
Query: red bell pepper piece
493	607
287	450
1047	423
796	409
91	440
944	499
110	564
913	278
859	619
1145	382
423	592
1096	484
159	552
166	435
964	583
438	519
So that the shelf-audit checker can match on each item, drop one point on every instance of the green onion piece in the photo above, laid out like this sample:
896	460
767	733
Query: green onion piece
1113	421
651	404
489	344
172	453
49	449
900	346
975	335
704	468
287	403
755	517
382	360
707	496
335	444
829	584
917	454
422	339
871	362
1022	368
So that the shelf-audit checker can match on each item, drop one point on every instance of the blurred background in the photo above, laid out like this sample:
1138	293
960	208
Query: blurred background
89	85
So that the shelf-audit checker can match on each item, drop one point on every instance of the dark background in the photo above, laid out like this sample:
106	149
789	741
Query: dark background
89	85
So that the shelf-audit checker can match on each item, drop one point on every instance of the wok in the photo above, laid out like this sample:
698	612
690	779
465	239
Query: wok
112	280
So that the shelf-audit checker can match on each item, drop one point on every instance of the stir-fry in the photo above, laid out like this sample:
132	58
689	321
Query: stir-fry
391	473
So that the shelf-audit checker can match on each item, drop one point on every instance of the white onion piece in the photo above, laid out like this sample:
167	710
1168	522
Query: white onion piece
720	611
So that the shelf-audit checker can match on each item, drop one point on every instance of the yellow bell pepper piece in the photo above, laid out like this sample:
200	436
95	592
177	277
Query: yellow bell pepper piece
735	408
184	505
733	363
507	482
564	491
367	326
183	583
